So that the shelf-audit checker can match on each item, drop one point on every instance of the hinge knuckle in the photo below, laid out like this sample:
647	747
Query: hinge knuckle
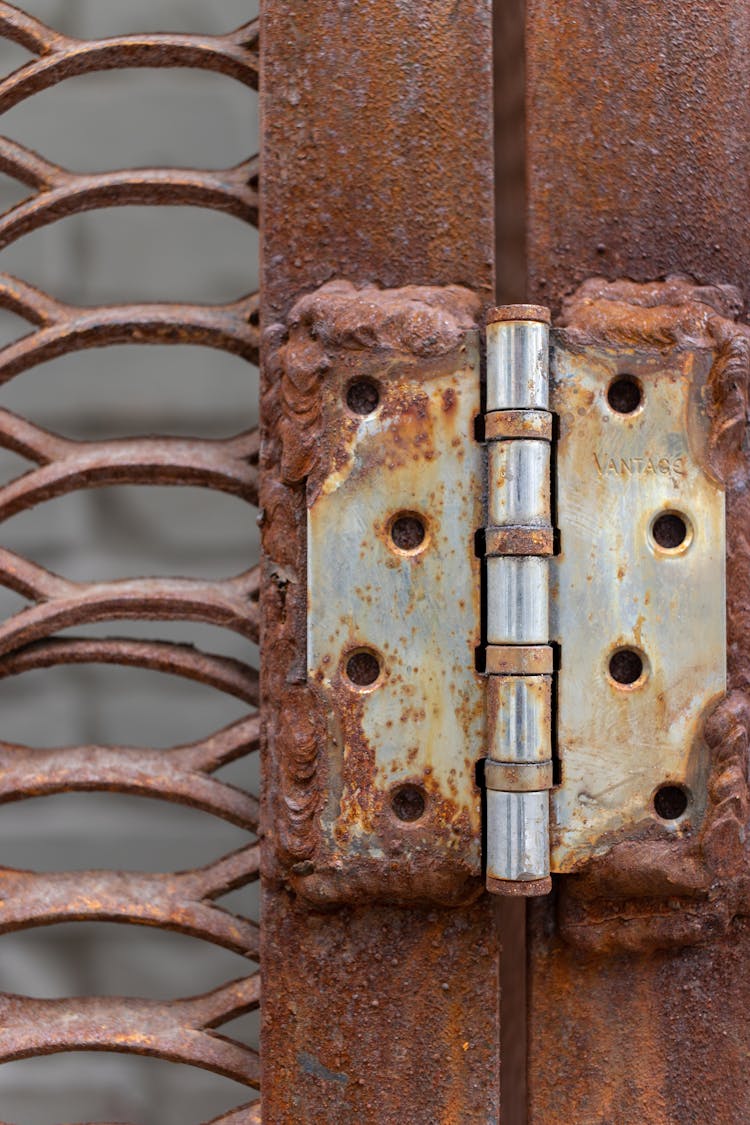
517	600
519	485
519	710
518	771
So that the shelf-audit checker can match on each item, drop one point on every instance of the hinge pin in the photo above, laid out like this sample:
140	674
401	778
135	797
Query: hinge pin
518	770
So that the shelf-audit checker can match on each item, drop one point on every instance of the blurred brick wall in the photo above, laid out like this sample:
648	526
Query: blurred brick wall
100	122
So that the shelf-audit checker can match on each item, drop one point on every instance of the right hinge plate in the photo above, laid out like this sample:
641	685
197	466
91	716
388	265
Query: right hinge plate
637	601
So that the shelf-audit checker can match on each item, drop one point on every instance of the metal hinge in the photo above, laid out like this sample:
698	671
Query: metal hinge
518	771
516	636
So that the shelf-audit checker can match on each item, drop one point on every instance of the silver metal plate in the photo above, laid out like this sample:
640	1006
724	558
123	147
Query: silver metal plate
614	588
415	732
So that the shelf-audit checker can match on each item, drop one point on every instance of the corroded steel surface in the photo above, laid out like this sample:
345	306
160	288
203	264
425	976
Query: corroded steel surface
638	119
420	722
181	1030
615	588
377	170
625	1040
391	1022
377	145
619	931
639	167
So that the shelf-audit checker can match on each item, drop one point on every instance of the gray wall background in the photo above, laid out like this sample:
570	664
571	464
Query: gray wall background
94	123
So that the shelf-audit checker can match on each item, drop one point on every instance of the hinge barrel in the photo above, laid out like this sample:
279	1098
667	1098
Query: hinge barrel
518	660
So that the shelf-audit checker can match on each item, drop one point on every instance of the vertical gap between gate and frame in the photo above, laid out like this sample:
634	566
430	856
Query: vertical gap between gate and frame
511	288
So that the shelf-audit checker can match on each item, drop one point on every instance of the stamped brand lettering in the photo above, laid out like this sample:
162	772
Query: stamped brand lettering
640	466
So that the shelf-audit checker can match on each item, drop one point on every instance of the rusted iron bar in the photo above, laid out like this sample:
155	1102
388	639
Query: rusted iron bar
64	329
249	1114
181	774
62	56
59	194
637	138
227	466
220	672
180	902
182	1030
377	169
63	604
231	604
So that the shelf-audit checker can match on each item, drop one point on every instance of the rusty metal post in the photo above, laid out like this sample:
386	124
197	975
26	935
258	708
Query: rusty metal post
638	168
377	150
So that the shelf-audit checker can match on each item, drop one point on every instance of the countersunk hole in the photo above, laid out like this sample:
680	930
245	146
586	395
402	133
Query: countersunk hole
408	532
624	394
363	396
670	531
408	802
626	666
363	668
670	802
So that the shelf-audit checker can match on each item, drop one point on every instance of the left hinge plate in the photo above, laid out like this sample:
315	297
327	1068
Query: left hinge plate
394	618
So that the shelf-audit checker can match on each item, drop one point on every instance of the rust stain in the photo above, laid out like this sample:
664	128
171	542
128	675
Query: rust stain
365	332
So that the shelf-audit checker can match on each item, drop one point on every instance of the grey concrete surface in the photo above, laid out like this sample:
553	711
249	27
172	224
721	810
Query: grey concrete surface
100	122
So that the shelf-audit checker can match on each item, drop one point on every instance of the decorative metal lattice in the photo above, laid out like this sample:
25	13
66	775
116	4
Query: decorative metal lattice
183	1030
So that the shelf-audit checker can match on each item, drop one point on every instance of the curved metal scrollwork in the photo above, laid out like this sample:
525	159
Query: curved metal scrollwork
181	1030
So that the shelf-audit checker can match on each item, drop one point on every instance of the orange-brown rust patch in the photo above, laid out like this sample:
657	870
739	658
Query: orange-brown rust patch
357	329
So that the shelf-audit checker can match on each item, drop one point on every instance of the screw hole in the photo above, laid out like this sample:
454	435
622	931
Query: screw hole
363	396
626	666
624	394
670	802
408	532
363	668
669	530
408	803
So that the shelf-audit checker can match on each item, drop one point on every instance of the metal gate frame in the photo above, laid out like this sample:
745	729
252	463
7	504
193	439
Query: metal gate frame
181	1030
637	126
377	168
